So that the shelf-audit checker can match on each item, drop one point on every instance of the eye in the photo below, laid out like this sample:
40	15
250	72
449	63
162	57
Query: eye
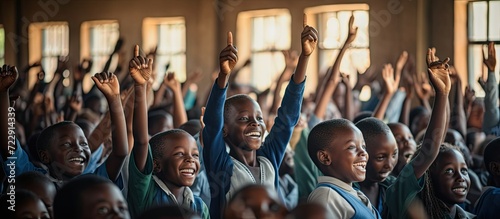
123	208
103	210
180	154
351	147
196	155
380	158
259	118
464	171
449	171
244	118
67	144
84	144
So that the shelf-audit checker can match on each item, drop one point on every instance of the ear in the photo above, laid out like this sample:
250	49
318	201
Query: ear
224	131
44	156
323	157
156	166
494	168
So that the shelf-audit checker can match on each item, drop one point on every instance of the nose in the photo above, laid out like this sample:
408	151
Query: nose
189	158
461	177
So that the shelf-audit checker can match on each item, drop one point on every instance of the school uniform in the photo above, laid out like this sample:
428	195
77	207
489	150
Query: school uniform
382	188
491	121
305	170
488	205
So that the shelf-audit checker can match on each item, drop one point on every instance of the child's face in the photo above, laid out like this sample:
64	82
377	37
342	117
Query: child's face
255	202
181	162
406	145
69	152
348	156
383	152
104	200
46	192
32	209
245	126
450	178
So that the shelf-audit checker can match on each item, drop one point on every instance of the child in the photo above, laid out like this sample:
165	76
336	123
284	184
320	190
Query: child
337	147
406	145
383	156
40	185
288	186
90	196
160	174
238	123
27	205
487	205
255	201
62	147
409	183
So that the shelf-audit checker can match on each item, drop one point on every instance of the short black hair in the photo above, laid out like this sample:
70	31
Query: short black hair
22	196
192	126
68	200
362	115
233	100
157	142
322	134
45	138
491	153
371	128
28	180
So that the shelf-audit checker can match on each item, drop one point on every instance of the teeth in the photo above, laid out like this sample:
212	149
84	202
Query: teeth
187	171
361	164
76	159
459	189
257	134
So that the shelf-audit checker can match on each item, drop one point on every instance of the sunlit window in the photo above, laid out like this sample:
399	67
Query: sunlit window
265	34
168	35
333	30
483	27
98	41
48	42
2	46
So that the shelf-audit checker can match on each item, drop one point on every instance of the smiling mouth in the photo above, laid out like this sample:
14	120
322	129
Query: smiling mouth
188	172
253	134
460	190
360	166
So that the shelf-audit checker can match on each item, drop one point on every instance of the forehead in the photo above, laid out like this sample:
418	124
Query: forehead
68	130
99	192
244	103
344	134
384	141
400	129
450	156
179	140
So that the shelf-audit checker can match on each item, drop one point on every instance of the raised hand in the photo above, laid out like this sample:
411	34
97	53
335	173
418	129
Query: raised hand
402	61
82	69
352	31
140	68
309	38
491	61
391	81
228	56
291	58
107	84
75	102
171	82
439	73
470	95
8	75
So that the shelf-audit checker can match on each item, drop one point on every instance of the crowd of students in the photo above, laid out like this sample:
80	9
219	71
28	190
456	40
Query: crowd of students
324	156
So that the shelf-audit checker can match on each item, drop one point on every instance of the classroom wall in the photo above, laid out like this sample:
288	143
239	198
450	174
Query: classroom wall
396	25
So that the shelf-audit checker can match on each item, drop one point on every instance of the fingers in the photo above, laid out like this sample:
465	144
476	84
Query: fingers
304	21
429	56
229	38
351	21
310	34
150	64
136	50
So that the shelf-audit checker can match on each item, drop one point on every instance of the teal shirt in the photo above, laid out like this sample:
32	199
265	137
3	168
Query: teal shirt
402	192
306	171
145	193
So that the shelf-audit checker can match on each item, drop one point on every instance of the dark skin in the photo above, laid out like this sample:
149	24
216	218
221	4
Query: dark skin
104	201
8	75
439	76
258	201
228	59
108	84
32	209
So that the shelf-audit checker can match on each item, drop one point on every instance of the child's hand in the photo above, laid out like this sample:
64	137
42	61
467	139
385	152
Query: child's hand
75	103
228	56
439	73
402	60
8	75
140	68
107	84
391	82
470	94
291	58
491	62
352	31
309	38
171	82
481	82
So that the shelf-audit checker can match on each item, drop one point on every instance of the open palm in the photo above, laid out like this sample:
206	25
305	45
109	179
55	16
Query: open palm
439	72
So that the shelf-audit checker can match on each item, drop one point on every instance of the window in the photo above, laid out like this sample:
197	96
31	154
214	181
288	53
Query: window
2	46
333	27
168	35
98	41
264	34
483	27
48	41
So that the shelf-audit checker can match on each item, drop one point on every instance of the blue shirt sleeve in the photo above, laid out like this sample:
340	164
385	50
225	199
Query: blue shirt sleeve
21	161
491	113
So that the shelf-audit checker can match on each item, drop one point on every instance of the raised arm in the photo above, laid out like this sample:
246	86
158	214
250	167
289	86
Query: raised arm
8	75
458	120
141	69
179	113
108	84
391	83
348	98
491	113
291	58
439	76
228	59
309	38
333	76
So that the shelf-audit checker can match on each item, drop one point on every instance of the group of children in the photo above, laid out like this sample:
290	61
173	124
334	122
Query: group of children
303	162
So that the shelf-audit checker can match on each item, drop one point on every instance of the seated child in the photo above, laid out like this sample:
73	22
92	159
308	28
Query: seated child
406	145
383	155
238	123
255	201
90	196
337	147
63	148
40	185
488	206
403	192
27	205
161	169
169	212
